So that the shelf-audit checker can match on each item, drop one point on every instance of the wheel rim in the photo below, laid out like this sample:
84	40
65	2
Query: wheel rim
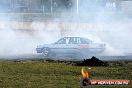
45	52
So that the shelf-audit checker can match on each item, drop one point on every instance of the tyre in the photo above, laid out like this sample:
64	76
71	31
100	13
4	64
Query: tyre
46	51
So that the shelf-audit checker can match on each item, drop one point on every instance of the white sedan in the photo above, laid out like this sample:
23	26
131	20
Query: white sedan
76	46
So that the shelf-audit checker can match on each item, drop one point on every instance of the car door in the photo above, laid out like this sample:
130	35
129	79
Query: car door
60	46
73	45
85	45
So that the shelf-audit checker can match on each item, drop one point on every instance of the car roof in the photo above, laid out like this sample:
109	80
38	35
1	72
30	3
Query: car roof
73	37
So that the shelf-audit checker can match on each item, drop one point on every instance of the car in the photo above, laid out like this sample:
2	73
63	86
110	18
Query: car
76	46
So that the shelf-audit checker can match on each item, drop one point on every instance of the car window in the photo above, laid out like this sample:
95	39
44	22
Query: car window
74	41
78	41
85	41
62	41
67	40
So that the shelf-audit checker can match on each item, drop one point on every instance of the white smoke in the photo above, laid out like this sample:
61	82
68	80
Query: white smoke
109	25
100	26
20	41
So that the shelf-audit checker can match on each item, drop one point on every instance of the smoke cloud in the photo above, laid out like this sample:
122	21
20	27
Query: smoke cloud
98	23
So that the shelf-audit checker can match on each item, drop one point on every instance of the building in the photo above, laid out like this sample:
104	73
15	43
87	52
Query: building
58	6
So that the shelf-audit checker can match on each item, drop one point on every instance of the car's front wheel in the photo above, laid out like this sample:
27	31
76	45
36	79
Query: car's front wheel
46	51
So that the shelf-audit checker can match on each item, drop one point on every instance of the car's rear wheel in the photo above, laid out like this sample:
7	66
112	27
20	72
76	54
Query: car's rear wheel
46	51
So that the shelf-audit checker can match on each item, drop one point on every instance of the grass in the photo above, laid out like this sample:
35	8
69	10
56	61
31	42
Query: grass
42	74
